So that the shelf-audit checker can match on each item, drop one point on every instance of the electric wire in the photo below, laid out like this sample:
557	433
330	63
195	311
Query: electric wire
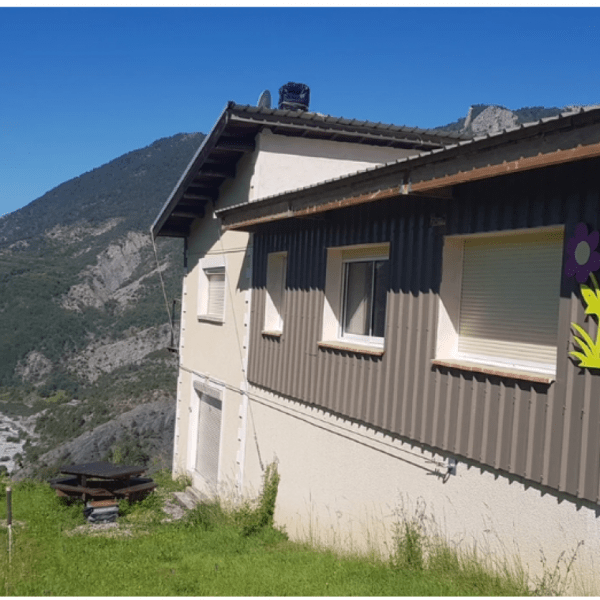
162	284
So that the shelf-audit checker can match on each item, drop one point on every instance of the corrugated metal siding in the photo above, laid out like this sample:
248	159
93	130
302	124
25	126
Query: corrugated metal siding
545	434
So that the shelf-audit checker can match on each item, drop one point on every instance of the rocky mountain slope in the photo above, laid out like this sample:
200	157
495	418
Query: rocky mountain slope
84	329
492	118
142	435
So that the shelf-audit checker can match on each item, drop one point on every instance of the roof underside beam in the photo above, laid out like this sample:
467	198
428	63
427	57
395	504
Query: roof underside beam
505	168
235	144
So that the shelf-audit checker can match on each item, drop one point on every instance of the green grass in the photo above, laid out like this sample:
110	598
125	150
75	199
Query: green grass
212	552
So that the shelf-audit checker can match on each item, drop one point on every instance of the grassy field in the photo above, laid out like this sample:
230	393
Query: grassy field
209	552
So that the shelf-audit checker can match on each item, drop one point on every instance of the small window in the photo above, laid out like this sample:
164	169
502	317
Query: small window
216	292
276	281
211	289
356	289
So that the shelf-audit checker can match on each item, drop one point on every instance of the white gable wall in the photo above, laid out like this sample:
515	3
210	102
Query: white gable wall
215	353
285	163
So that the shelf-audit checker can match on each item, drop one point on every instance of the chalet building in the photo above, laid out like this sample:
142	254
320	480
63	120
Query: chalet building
404	321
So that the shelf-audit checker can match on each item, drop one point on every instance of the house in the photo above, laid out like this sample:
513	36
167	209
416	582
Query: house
251	153
401	336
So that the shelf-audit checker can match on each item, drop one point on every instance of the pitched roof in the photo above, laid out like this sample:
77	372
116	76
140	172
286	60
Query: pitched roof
233	135
554	140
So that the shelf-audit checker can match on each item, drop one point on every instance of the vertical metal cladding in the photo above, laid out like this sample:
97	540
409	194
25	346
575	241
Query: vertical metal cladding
548	434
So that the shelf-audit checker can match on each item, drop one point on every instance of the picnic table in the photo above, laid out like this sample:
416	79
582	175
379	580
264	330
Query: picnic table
103	482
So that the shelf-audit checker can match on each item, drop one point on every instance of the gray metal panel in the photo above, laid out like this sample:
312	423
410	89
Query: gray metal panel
549	434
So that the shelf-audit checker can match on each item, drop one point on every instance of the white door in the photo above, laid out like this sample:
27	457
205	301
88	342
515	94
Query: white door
209	435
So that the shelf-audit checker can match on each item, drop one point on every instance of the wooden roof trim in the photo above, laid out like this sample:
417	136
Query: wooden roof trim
549	159
286	210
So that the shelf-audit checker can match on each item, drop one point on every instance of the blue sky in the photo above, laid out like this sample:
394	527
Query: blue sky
81	86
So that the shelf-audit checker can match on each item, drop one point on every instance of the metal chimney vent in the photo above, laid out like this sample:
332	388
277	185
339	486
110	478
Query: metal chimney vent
294	96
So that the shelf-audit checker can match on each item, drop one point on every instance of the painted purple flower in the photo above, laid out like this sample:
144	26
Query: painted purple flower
582	258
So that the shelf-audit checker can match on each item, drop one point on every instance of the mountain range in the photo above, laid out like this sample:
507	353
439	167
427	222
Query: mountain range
85	328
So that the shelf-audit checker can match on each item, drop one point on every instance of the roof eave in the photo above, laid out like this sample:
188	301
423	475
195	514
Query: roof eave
290	120
431	172
195	163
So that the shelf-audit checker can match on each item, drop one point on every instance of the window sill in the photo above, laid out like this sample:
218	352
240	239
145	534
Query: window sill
209	319
268	333
474	367
349	347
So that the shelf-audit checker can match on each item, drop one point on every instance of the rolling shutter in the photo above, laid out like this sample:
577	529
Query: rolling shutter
209	436
216	292
510	298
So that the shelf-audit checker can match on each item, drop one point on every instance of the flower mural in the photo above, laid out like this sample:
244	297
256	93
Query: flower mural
582	257
582	261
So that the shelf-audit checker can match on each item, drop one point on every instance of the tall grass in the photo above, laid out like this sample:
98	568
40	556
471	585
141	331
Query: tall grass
214	551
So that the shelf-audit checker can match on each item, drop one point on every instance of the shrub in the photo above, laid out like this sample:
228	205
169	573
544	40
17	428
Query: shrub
409	546
253	517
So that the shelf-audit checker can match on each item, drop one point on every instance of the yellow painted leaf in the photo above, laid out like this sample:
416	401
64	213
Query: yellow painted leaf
591	299
590	362
580	356
586	343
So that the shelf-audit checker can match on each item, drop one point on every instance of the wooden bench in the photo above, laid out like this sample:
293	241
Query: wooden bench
70	487
137	489
133	489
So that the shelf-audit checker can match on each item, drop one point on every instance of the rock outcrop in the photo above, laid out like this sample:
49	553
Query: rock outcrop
492	119
152	425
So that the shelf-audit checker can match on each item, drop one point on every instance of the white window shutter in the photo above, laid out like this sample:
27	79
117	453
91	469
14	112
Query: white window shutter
209	437
216	292
510	298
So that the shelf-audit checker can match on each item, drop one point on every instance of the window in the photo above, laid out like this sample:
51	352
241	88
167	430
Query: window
216	292
276	281
499	299
211	289
364	299
356	295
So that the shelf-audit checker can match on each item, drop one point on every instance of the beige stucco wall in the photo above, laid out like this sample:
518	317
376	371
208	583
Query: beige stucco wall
347	485
215	351
343	483
286	163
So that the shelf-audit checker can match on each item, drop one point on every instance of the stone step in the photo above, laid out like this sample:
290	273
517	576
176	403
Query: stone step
184	500
190	498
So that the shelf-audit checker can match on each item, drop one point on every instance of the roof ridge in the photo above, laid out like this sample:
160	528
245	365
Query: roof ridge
344	121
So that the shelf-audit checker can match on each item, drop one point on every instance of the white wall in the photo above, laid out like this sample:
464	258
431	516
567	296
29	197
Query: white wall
348	485
287	163
343	483
218	351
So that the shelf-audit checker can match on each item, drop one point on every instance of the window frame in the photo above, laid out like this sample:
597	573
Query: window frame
211	265
333	333
359	338
449	309
276	284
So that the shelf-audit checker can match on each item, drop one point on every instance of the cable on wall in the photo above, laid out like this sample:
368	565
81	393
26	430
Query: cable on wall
164	291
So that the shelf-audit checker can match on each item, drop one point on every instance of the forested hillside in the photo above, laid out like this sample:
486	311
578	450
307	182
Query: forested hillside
84	328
